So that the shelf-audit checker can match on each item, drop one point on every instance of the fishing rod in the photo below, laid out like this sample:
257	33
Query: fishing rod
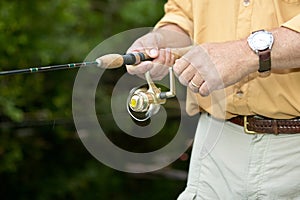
107	61
146	100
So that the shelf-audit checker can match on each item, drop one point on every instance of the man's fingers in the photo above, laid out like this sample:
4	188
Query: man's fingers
169	57
195	83
180	65
141	68
150	45
165	58
187	75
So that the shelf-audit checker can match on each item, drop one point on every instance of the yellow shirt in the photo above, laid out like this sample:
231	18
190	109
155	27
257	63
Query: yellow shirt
277	96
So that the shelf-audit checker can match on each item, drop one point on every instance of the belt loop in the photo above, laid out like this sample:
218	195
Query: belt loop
275	127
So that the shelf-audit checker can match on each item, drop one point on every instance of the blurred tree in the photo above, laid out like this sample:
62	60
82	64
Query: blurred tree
41	156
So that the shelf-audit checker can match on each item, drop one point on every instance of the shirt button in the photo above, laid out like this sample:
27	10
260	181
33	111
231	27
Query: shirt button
246	3
239	93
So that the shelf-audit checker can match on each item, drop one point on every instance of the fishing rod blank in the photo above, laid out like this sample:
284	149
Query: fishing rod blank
48	68
108	61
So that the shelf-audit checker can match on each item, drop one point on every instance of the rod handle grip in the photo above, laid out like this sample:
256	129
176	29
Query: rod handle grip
179	52
111	61
135	58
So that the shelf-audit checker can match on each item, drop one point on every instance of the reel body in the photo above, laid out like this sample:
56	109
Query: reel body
145	101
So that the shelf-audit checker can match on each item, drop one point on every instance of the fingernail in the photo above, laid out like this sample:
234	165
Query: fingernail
153	52
203	91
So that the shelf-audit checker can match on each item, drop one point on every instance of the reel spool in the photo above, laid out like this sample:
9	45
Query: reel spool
143	103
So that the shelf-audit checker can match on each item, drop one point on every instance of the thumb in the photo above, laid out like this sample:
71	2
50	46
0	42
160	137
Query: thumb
153	52
204	90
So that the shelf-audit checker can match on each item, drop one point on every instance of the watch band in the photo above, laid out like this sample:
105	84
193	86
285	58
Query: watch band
264	60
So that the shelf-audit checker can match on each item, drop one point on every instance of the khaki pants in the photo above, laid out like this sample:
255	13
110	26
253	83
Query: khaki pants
227	163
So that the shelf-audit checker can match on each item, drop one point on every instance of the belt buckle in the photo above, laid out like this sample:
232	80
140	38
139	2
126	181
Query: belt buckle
246	128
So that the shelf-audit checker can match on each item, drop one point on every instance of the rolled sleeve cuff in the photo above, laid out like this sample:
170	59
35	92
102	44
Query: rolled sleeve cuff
293	24
180	21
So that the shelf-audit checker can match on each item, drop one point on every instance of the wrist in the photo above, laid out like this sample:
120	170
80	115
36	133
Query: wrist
249	57
261	43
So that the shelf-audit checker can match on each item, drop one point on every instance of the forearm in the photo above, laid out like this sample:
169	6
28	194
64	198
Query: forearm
172	36
286	49
285	52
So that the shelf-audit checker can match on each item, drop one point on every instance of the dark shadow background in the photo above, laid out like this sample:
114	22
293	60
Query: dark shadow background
41	156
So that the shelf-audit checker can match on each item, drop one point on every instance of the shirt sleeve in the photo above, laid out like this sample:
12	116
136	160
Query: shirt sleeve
293	23
178	12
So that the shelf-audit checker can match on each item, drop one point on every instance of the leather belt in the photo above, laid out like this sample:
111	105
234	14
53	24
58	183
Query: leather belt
254	125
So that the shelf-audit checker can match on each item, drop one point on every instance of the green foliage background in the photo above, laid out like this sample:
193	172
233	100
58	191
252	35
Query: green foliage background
41	156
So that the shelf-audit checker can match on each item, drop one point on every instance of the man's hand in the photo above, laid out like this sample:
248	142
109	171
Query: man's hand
154	44
213	66
151	44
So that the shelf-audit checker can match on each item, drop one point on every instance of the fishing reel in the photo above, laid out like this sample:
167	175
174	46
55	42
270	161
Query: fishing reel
144	102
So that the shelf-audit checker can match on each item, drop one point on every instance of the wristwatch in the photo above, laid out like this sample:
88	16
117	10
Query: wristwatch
261	43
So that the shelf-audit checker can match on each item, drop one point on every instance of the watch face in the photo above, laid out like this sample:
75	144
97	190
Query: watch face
260	40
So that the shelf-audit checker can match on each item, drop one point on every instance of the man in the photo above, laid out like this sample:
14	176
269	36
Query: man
251	48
